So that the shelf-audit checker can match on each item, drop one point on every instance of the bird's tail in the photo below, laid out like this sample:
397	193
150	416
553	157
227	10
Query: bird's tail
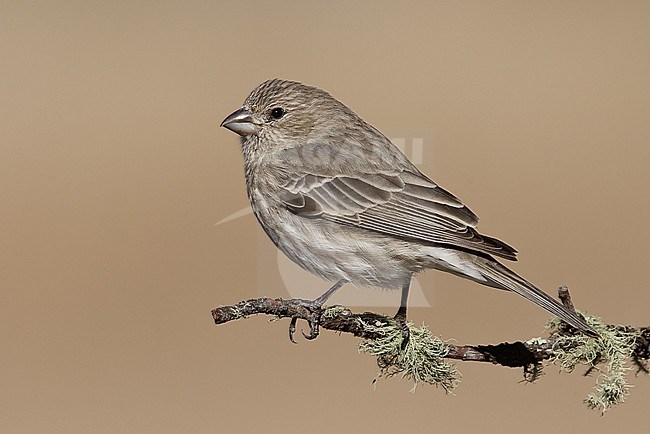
502	277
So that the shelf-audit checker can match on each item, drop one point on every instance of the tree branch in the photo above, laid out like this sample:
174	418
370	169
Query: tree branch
422	358
342	320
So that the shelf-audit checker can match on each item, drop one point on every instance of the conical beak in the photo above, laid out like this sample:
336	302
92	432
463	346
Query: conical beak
241	122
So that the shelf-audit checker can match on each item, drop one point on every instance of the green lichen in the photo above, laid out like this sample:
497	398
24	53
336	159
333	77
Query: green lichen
608	354
236	312
421	361
333	311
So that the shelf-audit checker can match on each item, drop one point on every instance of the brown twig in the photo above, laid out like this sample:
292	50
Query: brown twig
565	297
515	354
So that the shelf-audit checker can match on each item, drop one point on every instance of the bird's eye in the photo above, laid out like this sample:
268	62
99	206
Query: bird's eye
277	112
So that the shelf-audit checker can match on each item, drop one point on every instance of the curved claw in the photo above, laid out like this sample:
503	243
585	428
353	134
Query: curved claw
313	330
292	329
315	309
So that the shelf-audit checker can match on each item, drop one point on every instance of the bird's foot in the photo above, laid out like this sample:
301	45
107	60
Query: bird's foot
401	322
315	310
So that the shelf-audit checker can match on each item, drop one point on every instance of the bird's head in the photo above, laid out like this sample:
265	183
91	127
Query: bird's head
284	113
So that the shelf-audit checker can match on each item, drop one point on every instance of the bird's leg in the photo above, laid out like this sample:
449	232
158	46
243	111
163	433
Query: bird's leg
315	307
400	316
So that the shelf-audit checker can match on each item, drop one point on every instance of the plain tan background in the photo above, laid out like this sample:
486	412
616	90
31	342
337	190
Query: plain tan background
114	171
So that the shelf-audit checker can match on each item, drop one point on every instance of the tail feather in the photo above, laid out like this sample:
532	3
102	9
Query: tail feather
502	277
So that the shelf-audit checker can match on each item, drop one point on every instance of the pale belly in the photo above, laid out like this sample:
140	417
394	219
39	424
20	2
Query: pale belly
335	252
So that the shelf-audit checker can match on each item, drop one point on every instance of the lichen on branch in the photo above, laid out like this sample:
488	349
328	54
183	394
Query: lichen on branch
425	357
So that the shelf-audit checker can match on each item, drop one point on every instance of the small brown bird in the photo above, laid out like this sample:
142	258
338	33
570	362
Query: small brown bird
339	199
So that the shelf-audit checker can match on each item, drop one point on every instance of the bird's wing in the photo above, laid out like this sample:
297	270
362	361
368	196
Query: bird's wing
404	204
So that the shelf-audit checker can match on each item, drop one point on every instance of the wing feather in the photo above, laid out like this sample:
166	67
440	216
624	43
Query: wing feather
403	204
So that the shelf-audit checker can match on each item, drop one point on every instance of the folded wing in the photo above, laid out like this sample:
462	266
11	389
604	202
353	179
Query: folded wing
404	204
